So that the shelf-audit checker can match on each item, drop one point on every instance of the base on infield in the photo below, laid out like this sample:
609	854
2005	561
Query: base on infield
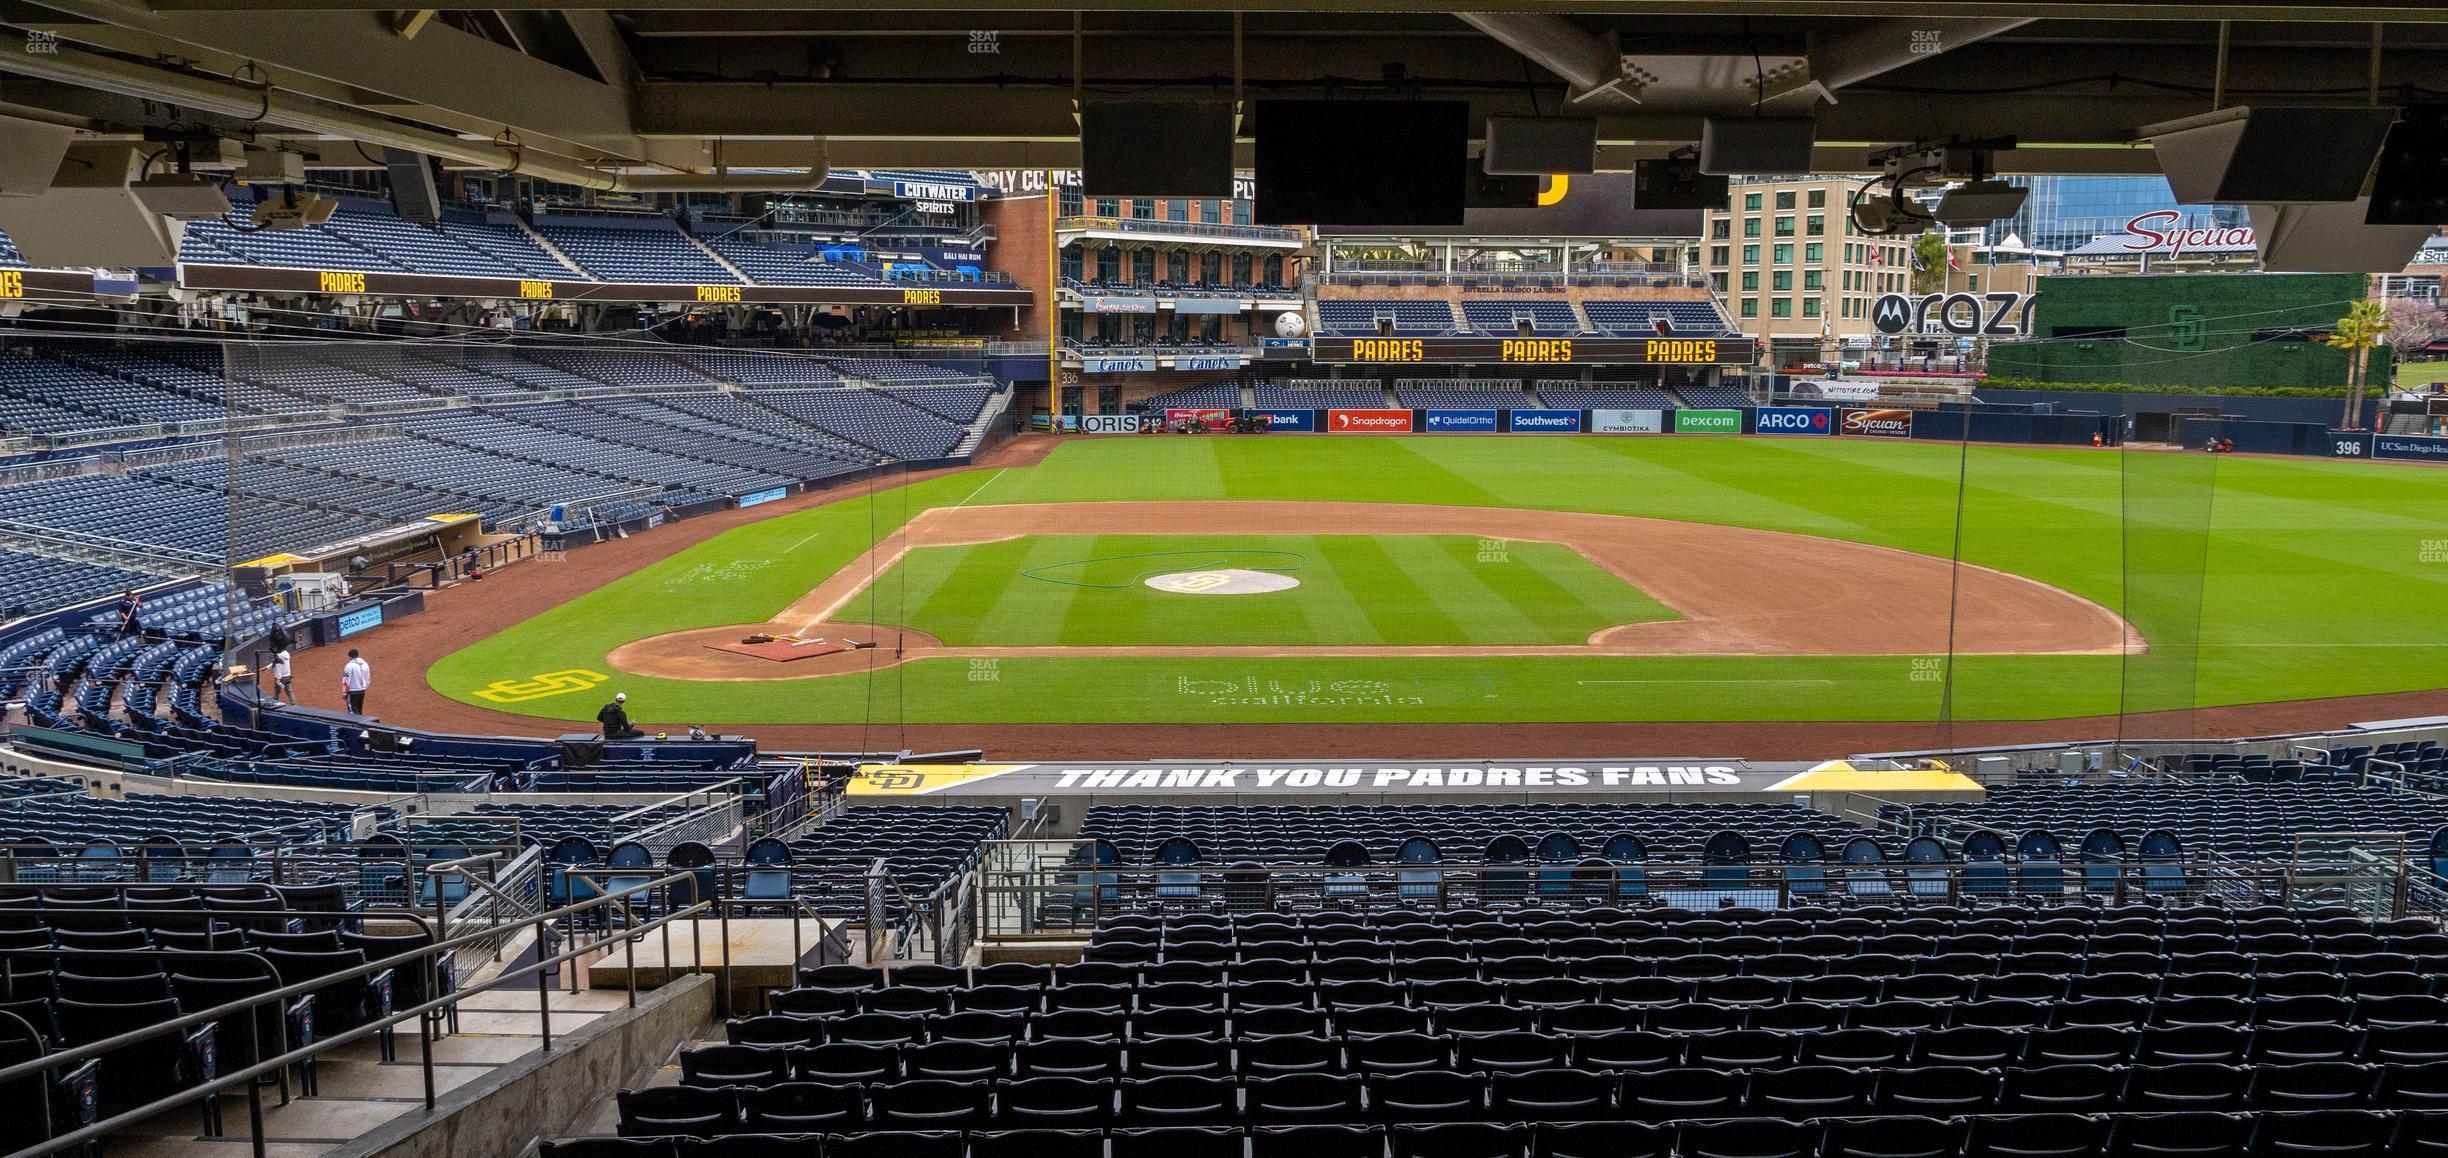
790	648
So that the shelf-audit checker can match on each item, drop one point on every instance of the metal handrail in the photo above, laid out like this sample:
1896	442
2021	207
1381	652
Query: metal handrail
273	1065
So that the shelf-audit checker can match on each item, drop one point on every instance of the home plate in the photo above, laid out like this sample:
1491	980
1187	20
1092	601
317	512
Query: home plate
1229	581
785	648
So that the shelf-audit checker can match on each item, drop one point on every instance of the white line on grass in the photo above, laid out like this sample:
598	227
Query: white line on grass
990	480
1591	683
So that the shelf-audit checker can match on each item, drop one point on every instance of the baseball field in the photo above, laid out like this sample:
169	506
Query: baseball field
1383	580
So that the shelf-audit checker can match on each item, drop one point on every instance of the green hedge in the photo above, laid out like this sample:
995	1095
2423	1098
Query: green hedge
2133	388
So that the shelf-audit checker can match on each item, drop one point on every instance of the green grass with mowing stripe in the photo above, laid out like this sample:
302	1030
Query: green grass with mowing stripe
2254	579
1086	590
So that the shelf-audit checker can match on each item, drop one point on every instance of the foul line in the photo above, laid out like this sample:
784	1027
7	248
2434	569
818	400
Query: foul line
990	481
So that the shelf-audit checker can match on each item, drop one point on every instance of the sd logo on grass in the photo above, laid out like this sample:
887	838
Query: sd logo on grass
551	683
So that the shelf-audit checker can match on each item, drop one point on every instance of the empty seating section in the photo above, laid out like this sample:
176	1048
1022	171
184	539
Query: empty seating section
1212	396
195	822
651	252
1295	835
295	371
1506	316
1571	395
1400	318
1642	318
30	583
514	247
1809	1031
2242	821
924	847
808	455
1316	393
180	507
755	368
624	367
521	433
232	239
786	264
1460	393
460	248
871	419
961	404
896	372
741	416
43	395
1713	396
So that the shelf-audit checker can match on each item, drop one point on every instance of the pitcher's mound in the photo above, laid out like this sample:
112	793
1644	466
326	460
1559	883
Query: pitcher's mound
1227	581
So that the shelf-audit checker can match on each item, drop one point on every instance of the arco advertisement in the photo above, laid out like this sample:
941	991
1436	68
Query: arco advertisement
1794	420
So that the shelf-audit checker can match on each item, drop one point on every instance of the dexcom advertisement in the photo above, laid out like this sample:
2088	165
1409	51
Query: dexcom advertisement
1795	420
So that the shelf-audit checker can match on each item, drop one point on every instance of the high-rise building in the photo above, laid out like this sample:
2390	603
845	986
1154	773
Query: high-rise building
2066	211
1791	268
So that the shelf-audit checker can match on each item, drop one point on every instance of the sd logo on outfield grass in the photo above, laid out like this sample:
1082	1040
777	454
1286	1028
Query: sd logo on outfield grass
551	683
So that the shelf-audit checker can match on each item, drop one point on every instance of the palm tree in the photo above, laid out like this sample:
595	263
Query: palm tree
2358	331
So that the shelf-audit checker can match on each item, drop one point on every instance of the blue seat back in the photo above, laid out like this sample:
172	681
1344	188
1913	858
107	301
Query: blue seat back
2040	863
1725	859
1804	857
1984	854
2163	863
2103	860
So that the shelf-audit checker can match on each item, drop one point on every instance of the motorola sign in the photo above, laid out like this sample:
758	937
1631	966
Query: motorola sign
1961	315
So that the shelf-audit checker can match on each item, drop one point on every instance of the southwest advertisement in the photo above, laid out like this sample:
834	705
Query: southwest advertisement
1546	422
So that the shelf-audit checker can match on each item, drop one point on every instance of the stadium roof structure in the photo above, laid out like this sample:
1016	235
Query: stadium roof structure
743	95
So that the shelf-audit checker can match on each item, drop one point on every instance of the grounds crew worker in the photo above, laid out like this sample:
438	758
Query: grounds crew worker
615	719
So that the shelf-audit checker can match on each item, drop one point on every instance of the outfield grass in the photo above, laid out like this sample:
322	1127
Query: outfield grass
1404	590
2254	580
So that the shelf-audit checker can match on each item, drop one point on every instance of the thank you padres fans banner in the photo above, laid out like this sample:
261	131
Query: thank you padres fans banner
1492	778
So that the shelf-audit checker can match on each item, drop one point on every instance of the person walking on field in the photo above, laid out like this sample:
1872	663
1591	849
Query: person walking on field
355	678
281	691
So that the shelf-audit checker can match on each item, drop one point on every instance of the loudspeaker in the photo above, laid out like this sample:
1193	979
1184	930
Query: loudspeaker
1675	183
2332	239
30	152
2247	156
413	194
90	216
1537	146
1156	149
2411	185
1756	146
